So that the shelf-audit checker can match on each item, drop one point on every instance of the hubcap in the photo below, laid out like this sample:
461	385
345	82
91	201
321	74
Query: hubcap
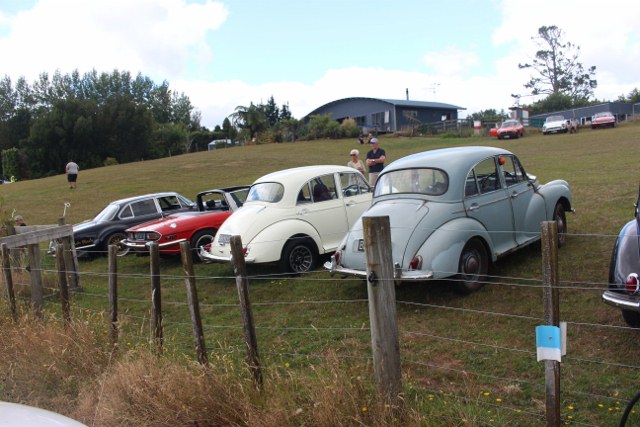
300	259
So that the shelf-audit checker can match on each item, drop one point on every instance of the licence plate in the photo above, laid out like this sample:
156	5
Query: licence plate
224	239
361	245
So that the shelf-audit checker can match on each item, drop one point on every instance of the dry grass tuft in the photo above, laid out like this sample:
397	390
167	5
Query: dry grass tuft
44	364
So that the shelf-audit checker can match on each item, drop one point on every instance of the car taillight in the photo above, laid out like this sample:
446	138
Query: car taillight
416	263
337	255
632	284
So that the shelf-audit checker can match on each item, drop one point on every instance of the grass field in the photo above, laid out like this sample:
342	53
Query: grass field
466	360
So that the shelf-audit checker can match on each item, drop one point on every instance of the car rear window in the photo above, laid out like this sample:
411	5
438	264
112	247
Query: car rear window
427	181
270	192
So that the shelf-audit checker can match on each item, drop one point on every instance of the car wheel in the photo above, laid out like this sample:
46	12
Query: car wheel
115	239
472	267
298	256
631	318
200	239
560	217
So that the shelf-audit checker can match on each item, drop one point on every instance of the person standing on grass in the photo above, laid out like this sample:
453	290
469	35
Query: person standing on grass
375	161
355	162
72	170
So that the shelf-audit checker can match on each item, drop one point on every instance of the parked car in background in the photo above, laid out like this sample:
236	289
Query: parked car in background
510	129
293	216
454	211
604	119
109	225
555	124
624	271
196	227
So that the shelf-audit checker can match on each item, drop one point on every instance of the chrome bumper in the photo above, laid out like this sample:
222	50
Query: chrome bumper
398	274
208	257
144	245
622	301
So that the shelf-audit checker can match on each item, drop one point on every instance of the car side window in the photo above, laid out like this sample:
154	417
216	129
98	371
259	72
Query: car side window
487	176
353	184
126	212
513	173
167	203
304	196
324	188
143	207
471	185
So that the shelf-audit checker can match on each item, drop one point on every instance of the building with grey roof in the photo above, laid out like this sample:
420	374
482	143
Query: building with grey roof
387	115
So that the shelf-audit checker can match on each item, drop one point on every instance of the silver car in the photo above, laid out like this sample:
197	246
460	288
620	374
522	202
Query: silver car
453	211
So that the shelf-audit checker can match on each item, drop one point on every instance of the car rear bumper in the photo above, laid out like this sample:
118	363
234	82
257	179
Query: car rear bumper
207	256
622	301
399	275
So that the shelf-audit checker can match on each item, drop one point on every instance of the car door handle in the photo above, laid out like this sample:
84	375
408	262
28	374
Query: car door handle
514	194
474	207
302	212
350	203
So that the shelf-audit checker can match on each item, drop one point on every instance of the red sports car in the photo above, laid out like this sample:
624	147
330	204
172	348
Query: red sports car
198	227
603	120
510	129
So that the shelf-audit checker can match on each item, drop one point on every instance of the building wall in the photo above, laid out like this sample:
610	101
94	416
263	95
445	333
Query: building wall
370	113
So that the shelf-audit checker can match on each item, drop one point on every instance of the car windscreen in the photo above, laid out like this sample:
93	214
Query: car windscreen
107	214
270	192
425	181
555	119
239	196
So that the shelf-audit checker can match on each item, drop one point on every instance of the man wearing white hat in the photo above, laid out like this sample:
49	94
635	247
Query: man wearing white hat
375	161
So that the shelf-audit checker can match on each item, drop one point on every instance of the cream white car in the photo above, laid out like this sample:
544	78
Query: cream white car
293	216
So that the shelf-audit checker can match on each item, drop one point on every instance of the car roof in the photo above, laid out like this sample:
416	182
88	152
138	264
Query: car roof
145	196
302	174
455	161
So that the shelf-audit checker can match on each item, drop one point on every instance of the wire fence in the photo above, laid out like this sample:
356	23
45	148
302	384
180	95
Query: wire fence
478	348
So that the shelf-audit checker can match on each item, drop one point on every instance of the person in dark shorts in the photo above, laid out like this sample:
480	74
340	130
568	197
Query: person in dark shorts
72	170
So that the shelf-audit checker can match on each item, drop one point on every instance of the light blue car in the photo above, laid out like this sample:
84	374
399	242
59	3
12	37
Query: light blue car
453	211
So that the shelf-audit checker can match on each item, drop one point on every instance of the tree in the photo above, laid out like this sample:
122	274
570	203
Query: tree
490	115
251	118
633	97
556	67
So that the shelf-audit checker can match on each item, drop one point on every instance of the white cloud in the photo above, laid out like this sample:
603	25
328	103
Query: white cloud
136	36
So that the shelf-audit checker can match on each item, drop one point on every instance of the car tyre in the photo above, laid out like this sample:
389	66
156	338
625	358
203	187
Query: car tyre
200	239
298	256
472	267
115	239
560	217
631	318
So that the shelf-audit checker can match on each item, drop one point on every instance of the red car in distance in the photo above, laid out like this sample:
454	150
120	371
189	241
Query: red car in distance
604	119
197	227
510	129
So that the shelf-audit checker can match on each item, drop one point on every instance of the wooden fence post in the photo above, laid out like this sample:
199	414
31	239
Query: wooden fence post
113	294
382	307
8	280
551	317
194	304
70	258
64	289
36	279
242	283
156	300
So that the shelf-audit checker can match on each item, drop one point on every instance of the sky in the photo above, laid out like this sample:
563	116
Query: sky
305	53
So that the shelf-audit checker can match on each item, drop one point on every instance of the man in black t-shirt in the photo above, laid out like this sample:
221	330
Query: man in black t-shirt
375	161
